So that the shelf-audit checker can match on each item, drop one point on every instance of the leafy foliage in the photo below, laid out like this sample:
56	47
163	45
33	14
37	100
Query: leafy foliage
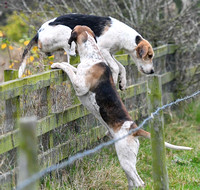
16	28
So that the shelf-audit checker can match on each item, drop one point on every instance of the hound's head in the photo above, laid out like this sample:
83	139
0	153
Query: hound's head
80	35
144	55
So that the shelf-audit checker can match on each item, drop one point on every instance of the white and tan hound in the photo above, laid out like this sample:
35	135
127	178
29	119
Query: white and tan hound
111	34
94	85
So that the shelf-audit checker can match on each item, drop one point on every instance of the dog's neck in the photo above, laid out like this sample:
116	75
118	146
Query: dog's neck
125	35
89	51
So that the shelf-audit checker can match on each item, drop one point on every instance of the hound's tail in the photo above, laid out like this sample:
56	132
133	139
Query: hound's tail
27	49
175	147
147	135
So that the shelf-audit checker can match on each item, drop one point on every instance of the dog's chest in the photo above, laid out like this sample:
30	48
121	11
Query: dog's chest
83	68
89	101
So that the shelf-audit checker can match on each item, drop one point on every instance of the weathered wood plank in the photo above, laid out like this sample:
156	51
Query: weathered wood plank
47	98
29	84
9	141
55	120
133	90
124	59
12	107
168	77
10	75
164	50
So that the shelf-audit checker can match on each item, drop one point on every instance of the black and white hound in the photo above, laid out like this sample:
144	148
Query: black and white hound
111	34
94	85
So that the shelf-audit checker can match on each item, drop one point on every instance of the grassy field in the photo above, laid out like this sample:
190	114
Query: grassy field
102	170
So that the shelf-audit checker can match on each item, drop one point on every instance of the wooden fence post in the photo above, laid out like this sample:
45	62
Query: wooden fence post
10	74
13	104
47	98
154	97
28	164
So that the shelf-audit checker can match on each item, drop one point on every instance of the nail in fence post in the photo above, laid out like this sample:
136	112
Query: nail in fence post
154	97
28	163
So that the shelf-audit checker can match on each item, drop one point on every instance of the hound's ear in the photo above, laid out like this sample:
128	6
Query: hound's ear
138	39
73	37
95	39
142	50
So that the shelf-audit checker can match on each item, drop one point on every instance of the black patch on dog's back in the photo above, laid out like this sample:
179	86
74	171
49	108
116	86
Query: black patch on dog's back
111	108
96	23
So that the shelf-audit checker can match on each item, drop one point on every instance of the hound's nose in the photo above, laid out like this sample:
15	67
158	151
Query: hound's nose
152	71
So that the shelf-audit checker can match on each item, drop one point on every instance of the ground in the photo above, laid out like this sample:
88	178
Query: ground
102	170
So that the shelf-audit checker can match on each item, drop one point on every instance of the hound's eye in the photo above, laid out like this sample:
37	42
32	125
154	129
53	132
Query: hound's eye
150	56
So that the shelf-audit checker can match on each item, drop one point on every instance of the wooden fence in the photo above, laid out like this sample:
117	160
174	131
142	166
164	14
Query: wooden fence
12	89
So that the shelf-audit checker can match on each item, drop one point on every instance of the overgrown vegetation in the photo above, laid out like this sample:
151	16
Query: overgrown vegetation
103	171
16	28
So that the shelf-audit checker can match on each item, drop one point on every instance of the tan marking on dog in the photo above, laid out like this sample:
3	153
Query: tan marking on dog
39	44
117	126
81	33
140	132
93	75
144	50
106	28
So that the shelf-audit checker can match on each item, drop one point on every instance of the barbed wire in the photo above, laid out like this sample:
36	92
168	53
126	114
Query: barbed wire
77	156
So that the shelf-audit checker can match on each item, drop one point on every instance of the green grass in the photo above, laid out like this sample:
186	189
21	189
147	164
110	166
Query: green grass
102	170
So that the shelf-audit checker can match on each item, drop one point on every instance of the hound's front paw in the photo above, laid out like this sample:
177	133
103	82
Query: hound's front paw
122	83
56	65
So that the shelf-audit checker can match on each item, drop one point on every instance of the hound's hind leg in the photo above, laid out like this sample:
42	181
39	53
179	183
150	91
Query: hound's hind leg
111	63
116	68
127	150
